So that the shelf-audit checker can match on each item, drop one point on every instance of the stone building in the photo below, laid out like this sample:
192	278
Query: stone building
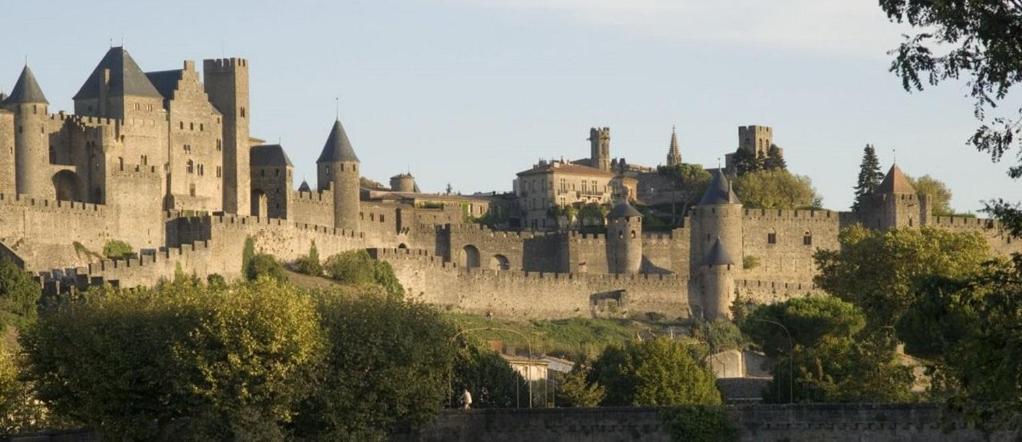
165	161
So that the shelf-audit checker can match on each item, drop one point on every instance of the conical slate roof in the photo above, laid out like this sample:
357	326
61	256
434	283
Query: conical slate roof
896	182
304	187
718	256
337	147
623	210
26	89
126	78
719	191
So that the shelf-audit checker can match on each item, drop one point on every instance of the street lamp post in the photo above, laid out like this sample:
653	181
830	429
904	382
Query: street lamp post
791	356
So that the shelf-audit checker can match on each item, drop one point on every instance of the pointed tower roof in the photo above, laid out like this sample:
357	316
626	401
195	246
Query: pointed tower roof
126	78
896	182
269	155
718	255
337	147
304	187
719	191
27	89
623	210
674	144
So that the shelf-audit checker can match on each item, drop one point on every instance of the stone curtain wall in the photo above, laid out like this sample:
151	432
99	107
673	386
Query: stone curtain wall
789	423
518	294
788	259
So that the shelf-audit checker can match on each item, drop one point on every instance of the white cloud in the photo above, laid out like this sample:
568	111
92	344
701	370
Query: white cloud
841	26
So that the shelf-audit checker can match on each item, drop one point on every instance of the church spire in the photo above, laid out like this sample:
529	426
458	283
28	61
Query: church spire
674	154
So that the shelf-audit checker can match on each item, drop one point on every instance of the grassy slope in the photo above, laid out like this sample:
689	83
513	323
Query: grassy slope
561	337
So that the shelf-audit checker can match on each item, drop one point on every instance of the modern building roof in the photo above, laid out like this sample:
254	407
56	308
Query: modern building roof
719	191
623	210
337	147
165	82
565	168
26	89
896	182
718	255
126	78
269	155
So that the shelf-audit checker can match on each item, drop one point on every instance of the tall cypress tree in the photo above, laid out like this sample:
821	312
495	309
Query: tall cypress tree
870	176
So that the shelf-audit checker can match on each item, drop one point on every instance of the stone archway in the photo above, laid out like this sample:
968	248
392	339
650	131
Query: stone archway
470	257
500	262
67	186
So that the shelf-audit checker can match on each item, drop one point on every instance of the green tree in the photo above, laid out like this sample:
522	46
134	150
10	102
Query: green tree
877	270
356	267
870	176
774	160
808	320
940	194
19	410
834	361
841	369
19	295
491	379
263	265
116	249
719	335
309	264
181	361
776	189
978	40
657	372
746	161
575	390
247	252
969	328
387	368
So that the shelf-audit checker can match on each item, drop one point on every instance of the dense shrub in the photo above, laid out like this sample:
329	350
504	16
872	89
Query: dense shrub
358	268
263	265
116	249
655	372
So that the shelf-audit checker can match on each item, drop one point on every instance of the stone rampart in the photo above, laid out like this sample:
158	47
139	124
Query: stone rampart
521	294
779	244
769	292
791	423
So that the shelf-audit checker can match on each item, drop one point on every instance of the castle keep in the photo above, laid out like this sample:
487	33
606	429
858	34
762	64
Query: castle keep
165	162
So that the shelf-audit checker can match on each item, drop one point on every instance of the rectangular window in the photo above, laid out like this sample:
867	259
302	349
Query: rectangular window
771	238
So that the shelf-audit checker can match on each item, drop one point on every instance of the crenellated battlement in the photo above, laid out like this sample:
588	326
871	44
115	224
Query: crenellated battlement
316	196
55	205
479	230
791	214
224	64
774	285
963	222
136	170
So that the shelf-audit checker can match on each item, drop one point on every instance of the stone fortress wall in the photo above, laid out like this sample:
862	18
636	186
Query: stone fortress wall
168	167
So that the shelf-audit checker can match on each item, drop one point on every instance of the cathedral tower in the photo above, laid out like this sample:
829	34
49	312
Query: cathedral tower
226	83
339	169
31	139
624	239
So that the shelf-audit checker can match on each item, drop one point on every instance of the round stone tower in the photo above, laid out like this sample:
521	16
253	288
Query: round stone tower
718	282
31	140
339	170
718	215
403	182
624	239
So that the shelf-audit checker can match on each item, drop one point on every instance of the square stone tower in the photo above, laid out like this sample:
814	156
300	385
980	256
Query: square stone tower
226	82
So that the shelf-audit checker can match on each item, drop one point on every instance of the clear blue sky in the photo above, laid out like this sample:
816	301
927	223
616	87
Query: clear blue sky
472	91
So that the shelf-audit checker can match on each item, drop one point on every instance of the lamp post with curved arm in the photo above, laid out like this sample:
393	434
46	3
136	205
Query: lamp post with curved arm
528	368
791	356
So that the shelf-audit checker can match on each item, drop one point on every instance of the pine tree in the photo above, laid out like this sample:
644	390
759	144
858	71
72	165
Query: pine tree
745	161
870	176
774	160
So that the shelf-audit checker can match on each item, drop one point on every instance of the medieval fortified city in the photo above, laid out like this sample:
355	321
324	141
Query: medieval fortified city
166	274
